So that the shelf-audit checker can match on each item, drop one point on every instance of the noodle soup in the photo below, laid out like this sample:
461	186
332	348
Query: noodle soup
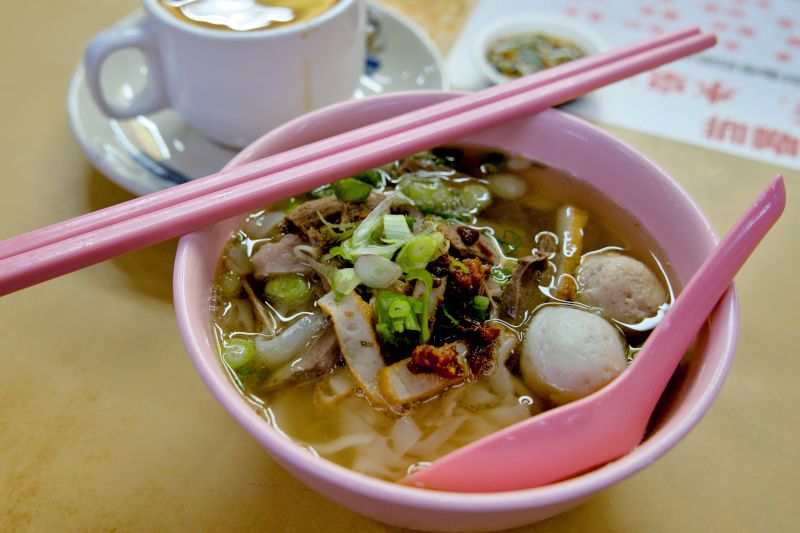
394	316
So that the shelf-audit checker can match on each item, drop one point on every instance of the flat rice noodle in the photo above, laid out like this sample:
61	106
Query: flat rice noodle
342	443
479	396
435	440
352	319
333	389
405	433
506	415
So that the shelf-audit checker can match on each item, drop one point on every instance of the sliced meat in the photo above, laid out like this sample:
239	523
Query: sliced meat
307	215
465	242
278	258
522	290
317	360
401	387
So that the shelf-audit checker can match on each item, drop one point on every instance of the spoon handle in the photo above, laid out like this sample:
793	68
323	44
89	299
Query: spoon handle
675	333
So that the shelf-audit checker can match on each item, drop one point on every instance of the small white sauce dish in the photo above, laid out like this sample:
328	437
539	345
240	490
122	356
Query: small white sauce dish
553	26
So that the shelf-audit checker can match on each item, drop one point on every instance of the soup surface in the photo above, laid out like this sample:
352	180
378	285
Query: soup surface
394	316
245	15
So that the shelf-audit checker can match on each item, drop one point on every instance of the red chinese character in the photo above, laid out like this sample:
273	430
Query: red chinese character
647	10
595	16
716	92
726	130
793	41
731	45
671	14
779	142
783	57
785	22
571	11
711	7
747	31
667	82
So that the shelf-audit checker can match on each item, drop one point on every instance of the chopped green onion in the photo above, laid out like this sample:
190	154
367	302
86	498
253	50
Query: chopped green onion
510	240
291	290
397	318
344	281
501	274
427	280
372	177
449	316
238	352
376	271
229	284
351	190
458	265
421	250
480	307
338	232
395	229
371	228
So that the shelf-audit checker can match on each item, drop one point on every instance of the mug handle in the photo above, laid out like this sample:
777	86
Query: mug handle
136	35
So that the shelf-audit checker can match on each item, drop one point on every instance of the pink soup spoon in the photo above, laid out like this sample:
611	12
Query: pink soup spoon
609	423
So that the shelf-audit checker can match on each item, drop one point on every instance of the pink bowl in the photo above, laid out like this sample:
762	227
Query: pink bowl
562	141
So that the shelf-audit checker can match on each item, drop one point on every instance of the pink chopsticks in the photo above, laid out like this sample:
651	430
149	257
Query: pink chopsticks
55	250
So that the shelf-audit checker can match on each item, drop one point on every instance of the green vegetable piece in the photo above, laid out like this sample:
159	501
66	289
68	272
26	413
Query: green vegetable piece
420	250
238	352
437	195
501	274
351	190
371	177
458	265
229	284
480	307
510	241
344	281
290	290
397	318
395	229
427	280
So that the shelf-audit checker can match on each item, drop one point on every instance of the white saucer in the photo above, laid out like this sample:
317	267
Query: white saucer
156	151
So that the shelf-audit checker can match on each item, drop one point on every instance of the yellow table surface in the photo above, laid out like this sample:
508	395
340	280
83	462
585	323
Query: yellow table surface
104	424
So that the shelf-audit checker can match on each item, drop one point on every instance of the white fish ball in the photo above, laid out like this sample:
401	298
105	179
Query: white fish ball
570	353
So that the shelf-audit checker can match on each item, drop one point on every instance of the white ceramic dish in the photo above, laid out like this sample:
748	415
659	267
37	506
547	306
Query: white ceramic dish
548	25
153	152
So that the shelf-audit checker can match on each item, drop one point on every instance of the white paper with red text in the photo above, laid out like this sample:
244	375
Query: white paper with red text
741	97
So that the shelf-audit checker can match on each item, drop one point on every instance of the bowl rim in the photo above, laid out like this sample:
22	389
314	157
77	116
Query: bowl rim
284	451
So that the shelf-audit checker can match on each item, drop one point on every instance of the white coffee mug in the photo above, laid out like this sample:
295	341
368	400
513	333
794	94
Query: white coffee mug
234	86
